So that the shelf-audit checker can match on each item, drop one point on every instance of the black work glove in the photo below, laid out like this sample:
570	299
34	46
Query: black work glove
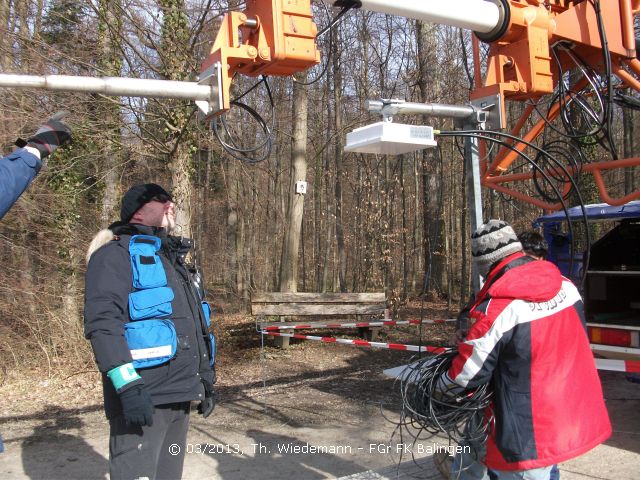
137	406
209	403
51	134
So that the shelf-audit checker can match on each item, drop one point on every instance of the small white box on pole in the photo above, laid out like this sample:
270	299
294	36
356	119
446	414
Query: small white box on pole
388	138
301	187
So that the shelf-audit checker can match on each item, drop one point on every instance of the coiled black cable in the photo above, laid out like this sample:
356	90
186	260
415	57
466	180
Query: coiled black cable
326	29
490	136
575	105
586	115
430	406
254	154
571	156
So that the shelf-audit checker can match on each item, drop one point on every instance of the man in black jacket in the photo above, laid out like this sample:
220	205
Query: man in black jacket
149	330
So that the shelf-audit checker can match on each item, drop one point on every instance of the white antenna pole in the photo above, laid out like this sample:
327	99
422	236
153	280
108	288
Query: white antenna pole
478	15
116	86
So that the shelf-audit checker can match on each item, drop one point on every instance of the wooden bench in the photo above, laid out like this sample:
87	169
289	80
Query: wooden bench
285	305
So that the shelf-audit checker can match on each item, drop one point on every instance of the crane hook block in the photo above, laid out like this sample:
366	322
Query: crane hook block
270	37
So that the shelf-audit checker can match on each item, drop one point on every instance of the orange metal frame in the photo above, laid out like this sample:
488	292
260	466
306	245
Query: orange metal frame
277	37
520	68
270	37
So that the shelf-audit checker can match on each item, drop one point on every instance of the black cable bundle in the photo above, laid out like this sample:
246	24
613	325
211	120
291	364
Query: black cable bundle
586	114
233	145
458	413
541	177
567	154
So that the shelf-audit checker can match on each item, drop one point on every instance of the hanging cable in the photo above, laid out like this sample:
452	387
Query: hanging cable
574	104
482	134
559	150
586	115
254	154
487	135
609	76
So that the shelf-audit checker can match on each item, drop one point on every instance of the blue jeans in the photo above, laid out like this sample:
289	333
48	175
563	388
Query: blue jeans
554	474
467	466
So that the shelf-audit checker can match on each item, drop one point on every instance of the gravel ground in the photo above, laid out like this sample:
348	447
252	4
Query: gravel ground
309	412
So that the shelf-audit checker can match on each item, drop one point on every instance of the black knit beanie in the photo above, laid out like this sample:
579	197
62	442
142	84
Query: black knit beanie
137	196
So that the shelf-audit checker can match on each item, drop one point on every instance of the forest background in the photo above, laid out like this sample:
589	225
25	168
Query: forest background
370	223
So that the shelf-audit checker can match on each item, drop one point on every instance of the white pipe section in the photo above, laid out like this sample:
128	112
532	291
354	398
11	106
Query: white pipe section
116	86
391	108
477	15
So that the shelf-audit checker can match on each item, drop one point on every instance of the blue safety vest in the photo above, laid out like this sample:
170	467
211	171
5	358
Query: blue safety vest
151	335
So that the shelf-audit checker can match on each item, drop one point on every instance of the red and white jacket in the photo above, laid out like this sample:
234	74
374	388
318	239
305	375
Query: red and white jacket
528	338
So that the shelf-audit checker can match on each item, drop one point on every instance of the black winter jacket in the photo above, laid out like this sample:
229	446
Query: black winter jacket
108	283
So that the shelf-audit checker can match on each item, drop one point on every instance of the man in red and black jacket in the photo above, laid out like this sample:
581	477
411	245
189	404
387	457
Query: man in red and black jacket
528	338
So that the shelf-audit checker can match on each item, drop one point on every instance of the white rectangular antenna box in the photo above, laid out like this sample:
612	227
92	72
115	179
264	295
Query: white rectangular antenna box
388	138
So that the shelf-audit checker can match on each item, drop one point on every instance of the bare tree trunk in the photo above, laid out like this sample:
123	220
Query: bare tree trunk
416	250
241	242
434	262
275	217
318	223
5	58
358	228
337	100
180	140
405	261
289	265
232	271
326	267
386	228
21	10
110	64
180	167
5	52
37	26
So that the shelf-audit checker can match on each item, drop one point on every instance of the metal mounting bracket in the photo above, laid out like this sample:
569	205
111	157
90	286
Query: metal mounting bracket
212	77
489	112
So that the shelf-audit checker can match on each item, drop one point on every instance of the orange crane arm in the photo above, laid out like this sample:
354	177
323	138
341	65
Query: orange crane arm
270	37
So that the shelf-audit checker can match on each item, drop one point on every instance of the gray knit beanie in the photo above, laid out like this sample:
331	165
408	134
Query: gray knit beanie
492	242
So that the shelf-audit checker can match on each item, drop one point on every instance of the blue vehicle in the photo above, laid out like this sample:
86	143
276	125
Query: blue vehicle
612	284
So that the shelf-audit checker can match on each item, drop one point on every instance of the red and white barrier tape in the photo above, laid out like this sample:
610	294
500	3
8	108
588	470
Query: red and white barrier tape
628	366
359	343
375	323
